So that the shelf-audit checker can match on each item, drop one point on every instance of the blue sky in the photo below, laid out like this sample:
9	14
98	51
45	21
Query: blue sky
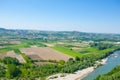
102	16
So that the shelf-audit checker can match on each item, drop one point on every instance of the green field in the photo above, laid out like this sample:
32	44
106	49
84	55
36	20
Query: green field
17	51
66	51
14	47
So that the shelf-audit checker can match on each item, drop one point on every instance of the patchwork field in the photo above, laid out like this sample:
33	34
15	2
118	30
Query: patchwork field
14	55
44	53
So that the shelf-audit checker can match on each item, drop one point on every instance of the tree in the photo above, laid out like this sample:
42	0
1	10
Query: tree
62	62
9	60
2	71
77	58
12	71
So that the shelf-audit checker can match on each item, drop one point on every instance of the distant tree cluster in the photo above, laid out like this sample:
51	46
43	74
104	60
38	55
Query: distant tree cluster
100	45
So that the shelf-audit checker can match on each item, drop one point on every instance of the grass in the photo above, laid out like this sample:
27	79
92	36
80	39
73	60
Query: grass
84	51
94	50
17	51
37	43
89	50
66	51
14	47
27	59
3	50
5	44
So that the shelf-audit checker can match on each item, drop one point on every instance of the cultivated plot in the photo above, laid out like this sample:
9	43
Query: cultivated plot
13	55
44	53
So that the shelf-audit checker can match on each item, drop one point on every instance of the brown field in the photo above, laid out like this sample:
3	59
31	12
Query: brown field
42	63
44	53
49	45
1	47
15	42
14	55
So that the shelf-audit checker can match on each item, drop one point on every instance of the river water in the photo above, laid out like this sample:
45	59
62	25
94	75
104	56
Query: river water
112	62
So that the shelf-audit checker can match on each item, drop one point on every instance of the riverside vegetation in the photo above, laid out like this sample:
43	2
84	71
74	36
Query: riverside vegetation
112	75
85	48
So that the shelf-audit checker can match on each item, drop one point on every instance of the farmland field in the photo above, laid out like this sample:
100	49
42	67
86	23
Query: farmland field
13	55
44	53
66	51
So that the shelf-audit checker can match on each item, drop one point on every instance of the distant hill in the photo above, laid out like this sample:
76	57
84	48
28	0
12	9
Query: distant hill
57	35
2	29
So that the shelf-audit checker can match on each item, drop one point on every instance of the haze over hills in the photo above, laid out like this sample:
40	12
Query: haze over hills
58	35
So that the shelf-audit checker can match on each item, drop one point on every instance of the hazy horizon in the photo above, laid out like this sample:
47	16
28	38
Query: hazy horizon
96	16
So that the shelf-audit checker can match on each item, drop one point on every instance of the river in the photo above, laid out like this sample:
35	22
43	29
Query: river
112	62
